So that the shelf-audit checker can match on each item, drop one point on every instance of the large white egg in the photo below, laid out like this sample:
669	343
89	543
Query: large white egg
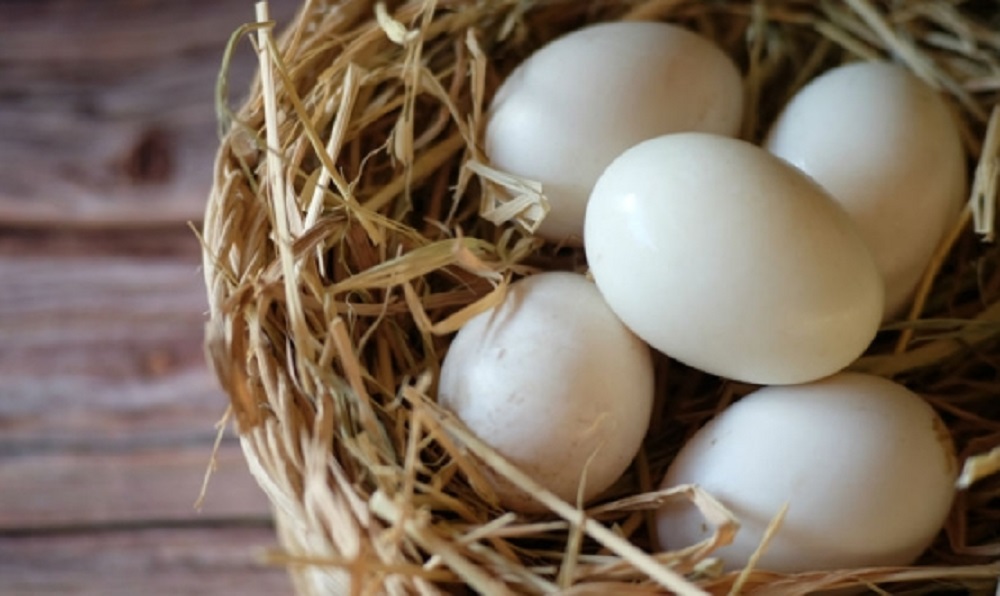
732	261
552	380
866	468
886	146
575	104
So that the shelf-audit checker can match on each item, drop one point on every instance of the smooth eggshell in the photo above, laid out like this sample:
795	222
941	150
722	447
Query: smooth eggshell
575	104
732	261
866	467
549	378
886	146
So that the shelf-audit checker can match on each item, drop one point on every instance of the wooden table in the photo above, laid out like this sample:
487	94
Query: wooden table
107	409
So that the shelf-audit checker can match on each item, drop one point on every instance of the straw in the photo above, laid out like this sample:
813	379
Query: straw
355	224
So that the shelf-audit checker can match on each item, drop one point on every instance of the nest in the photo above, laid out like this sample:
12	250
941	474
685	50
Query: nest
355	224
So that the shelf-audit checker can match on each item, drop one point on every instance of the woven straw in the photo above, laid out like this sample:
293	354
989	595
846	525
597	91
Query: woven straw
355	224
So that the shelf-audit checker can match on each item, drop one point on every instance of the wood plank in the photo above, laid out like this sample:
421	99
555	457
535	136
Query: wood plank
108	108
134	486
166	242
61	308
101	350
195	561
107	407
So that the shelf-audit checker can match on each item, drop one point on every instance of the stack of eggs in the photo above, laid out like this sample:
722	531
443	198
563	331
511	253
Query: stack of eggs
769	265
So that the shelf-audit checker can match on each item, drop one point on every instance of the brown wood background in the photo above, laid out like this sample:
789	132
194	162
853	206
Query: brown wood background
107	409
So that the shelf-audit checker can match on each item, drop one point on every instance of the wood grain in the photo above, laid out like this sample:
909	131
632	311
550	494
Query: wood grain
189	561
135	486
107	408
108	110
105	349
107	414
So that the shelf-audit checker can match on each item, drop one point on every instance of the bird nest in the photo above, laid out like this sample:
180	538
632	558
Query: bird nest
355	224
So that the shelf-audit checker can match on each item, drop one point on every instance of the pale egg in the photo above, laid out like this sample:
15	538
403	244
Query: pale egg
732	261
575	104
552	380
886	146
865	467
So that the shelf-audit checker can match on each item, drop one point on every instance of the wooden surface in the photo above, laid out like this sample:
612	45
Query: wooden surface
107	410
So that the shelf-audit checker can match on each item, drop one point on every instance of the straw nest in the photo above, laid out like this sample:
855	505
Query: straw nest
355	224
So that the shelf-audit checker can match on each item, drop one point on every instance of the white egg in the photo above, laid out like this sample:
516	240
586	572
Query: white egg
552	380
866	468
885	145
575	104
730	260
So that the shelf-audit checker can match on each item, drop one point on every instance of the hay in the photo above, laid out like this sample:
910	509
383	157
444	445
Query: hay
354	223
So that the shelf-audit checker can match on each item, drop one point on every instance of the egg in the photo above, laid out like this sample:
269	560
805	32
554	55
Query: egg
886	146
552	380
571	107
730	260
865	466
